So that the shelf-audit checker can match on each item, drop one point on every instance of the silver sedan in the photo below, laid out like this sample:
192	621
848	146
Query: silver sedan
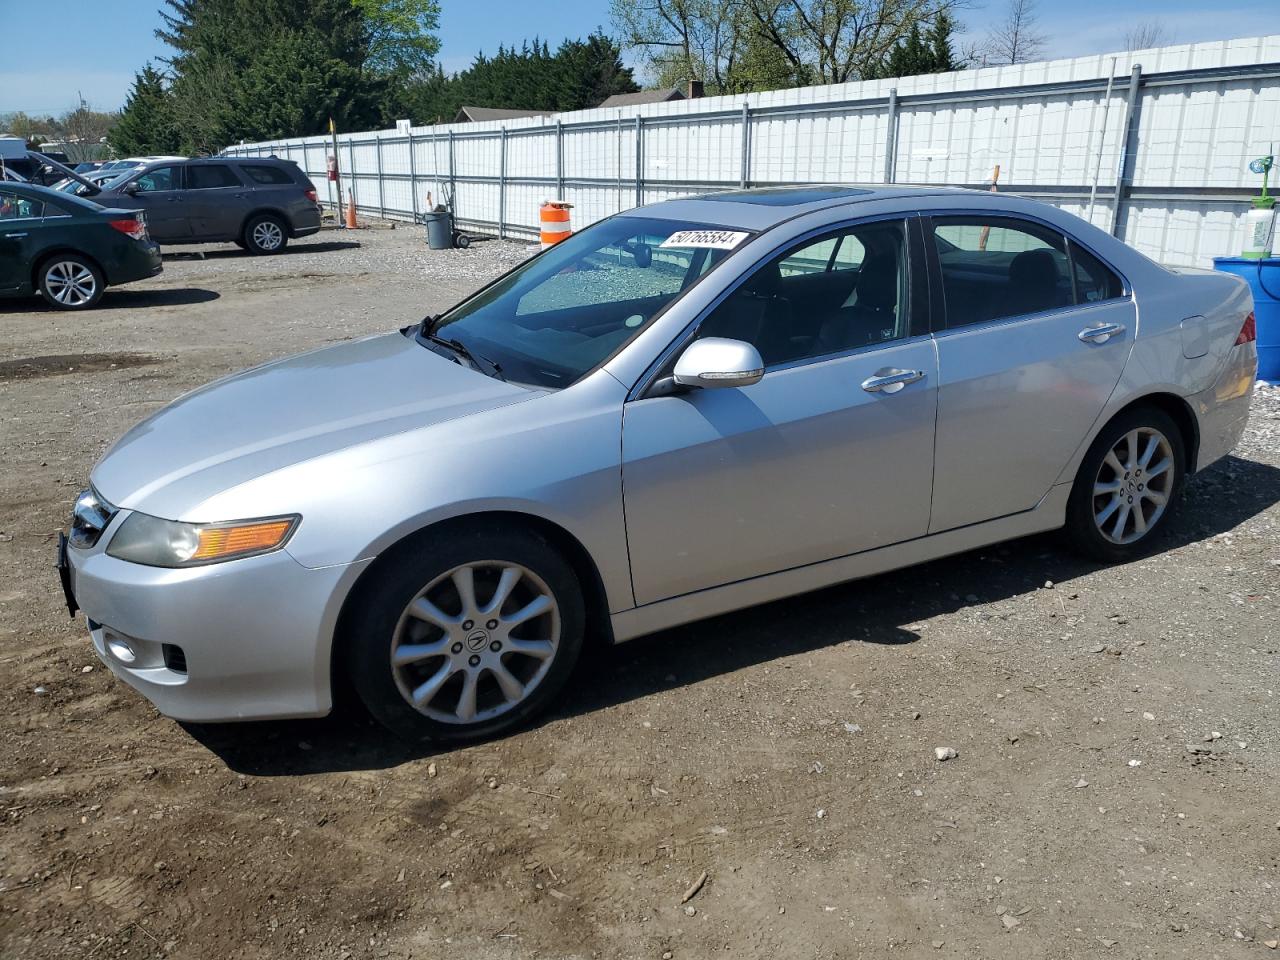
682	410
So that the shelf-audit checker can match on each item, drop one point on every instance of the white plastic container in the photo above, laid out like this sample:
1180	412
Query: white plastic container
1259	227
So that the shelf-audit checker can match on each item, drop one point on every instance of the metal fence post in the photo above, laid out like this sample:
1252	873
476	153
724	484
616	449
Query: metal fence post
559	160
453	186
744	174
502	184
1124	169
891	137
382	203
639	162
413	179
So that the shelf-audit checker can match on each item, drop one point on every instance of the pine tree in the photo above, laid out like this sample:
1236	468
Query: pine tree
146	123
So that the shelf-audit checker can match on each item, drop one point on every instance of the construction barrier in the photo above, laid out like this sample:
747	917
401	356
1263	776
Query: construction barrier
554	217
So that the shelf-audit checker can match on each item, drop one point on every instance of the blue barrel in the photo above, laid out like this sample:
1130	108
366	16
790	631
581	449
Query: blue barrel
1264	278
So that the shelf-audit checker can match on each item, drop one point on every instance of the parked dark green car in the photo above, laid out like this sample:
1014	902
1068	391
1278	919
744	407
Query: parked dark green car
69	249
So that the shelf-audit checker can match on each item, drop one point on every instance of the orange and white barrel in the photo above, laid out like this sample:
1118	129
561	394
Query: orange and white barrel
554	217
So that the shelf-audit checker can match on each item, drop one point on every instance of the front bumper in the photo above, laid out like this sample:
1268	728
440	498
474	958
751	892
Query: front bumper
244	640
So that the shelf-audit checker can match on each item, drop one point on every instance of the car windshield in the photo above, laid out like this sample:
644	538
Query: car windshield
552	320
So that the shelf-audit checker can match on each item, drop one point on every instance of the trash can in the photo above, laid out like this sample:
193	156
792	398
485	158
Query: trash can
439	229
1264	277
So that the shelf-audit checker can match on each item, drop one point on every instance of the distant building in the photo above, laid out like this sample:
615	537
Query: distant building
476	114
663	95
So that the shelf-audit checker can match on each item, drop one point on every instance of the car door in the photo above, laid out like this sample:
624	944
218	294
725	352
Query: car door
20	219
822	457
216	200
1037	333
158	192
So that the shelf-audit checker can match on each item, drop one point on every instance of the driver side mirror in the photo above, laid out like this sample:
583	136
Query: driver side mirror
131	187
719	362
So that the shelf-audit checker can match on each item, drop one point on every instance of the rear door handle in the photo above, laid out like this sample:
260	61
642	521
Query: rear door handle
1100	333
15	235
891	380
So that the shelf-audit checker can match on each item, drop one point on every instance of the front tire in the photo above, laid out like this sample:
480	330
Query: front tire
265	234
68	281
464	636
1127	487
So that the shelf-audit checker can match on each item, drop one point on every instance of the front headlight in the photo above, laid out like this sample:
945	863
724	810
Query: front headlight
168	543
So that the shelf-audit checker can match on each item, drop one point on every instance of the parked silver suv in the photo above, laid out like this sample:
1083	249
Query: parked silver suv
258	203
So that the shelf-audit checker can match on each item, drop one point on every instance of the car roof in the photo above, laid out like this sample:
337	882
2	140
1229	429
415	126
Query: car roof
763	207
35	192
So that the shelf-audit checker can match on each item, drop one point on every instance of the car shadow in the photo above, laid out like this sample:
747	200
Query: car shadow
121	298
876	610
295	246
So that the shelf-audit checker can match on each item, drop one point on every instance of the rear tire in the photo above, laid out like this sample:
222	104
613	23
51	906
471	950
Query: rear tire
1127	487
264	234
68	281
464	636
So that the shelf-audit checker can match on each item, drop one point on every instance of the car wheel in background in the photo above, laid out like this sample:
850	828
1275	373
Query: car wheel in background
462	637
71	282
265	233
1128	485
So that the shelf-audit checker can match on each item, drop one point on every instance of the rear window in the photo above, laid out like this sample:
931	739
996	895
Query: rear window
205	176
262	173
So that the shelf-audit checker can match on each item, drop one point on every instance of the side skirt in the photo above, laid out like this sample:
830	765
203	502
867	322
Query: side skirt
1049	514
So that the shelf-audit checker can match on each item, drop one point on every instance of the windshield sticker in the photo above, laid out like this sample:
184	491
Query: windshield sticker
712	239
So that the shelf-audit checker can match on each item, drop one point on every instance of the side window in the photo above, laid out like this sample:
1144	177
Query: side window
267	174
206	176
14	207
838	293
161	178
1094	280
996	267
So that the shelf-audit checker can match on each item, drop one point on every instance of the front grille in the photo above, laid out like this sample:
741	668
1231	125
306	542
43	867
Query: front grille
174	657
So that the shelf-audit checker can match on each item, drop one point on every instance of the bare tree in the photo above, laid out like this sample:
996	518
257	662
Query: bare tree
809	41
1016	38
1146	34
84	131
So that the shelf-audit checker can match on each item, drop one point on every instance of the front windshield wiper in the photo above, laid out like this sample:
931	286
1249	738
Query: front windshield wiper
479	361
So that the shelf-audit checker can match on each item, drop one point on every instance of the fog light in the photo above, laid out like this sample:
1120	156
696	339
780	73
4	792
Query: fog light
121	650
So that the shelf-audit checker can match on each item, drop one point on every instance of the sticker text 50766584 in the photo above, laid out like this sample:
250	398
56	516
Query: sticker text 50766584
715	239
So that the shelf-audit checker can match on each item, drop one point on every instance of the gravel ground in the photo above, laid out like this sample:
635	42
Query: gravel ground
1114	792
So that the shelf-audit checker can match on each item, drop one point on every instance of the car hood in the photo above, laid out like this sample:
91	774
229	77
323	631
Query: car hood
282	413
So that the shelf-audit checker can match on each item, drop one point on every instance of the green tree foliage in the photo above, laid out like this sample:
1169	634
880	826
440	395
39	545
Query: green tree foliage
579	75
260	69
146	123
921	52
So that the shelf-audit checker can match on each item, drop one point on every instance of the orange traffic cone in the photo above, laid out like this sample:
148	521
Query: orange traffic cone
351	210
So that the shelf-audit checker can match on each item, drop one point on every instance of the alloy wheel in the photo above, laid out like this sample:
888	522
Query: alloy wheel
1133	486
267	235
476	642
70	283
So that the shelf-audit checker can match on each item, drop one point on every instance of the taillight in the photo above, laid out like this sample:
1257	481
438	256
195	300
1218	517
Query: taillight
1249	332
130	228
311	194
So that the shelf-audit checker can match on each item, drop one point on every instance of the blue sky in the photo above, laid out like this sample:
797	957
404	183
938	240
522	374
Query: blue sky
98	61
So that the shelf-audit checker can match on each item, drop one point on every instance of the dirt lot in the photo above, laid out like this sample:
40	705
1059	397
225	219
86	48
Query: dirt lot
786	751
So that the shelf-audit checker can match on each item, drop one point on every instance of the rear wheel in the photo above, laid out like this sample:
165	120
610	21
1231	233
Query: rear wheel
71	282
465	636
264	234
1128	485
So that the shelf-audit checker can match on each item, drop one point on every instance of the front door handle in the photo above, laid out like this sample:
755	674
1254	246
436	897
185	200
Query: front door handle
891	380
15	235
1100	333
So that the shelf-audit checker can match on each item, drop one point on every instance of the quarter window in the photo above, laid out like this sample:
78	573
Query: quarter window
1094	279
206	176
837	293
264	173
